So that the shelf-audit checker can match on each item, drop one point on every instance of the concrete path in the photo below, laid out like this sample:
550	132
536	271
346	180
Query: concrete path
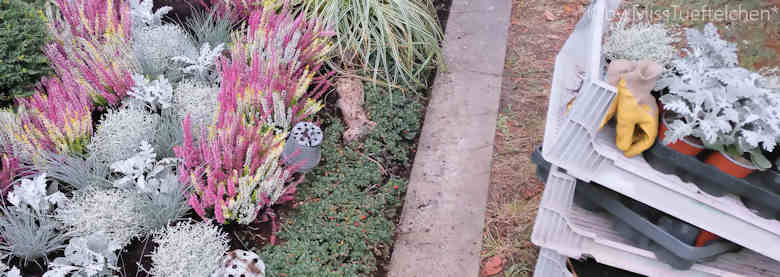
441	226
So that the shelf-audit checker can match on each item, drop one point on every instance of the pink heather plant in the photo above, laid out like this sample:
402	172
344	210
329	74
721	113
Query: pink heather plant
107	72
57	118
234	171
235	9
292	43
8	172
92	45
272	68
90	19
228	157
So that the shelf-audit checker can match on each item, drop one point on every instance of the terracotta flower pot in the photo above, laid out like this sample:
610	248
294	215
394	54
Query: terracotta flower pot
705	237
685	146
730	165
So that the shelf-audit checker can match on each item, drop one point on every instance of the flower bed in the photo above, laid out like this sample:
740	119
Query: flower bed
161	148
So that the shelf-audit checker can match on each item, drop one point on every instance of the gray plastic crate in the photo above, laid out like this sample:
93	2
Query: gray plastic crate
573	231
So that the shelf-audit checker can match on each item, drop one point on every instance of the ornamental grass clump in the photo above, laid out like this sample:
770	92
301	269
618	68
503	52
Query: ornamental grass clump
395	41
29	234
207	26
28	229
162	198
58	118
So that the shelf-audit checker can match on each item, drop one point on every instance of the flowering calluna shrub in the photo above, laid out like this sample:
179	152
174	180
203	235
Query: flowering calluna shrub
90	19
239	162
91	45
8	167
58	117
237	9
272	69
234	168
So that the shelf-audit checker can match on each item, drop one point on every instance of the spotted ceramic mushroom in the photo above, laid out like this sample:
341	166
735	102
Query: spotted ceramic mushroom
240	263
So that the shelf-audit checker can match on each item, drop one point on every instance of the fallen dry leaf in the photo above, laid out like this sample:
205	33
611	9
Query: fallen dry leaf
549	15
493	266
570	9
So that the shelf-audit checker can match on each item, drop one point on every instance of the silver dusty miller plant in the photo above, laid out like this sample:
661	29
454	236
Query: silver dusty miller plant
720	103
162	199
35	194
89	256
143	14
640	40
157	94
139	171
202	68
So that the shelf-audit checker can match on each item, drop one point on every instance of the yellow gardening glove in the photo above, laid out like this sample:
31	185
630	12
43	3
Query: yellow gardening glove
630	115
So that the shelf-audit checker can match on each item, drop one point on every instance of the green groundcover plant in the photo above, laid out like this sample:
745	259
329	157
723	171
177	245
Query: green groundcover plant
349	202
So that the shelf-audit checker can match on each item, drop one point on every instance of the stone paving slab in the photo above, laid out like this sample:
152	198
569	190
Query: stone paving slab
442	221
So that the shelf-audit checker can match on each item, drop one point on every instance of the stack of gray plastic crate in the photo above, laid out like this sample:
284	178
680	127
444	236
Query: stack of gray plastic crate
580	153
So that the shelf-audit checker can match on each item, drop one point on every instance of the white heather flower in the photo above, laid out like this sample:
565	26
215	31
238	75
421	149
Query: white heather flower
188	250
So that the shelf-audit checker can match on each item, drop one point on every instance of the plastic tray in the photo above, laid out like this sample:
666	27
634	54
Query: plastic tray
670	239
754	190
680	253
551	264
572	231
573	141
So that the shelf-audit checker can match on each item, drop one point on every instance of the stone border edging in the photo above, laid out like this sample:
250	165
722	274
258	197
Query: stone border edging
440	233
